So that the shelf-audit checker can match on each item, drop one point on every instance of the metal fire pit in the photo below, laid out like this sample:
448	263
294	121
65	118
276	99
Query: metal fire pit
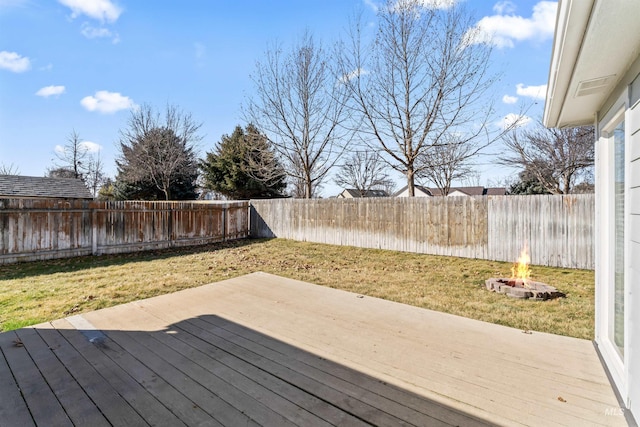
515	288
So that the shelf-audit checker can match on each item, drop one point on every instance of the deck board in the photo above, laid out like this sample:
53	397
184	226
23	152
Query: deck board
111	404
265	350
77	405
330	383
142	399
13	408
42	402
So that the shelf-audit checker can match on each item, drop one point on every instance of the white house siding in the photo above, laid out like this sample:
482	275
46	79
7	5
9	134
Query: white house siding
417	192
625	375
633	296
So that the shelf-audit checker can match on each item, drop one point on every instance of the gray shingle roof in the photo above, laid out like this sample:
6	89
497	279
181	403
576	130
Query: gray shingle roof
14	186
367	193
496	191
469	191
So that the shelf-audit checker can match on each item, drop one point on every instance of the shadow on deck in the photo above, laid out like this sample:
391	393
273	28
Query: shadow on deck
264	350
201	371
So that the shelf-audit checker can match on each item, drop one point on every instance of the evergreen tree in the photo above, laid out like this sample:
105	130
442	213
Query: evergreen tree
243	166
157	157
528	184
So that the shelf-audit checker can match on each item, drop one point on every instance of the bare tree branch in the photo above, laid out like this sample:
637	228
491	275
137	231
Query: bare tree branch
447	162
364	171
556	157
9	169
419	82
95	177
300	108
74	157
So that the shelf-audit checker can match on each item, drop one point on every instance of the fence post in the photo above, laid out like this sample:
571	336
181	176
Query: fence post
224	223
94	231
170	226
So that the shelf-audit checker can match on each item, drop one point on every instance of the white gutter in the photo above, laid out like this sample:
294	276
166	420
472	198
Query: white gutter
572	20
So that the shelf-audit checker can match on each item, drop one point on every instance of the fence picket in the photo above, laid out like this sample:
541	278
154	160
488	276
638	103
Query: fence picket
559	230
36	229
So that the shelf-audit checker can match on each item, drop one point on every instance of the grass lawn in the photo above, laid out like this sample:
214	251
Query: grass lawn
36	292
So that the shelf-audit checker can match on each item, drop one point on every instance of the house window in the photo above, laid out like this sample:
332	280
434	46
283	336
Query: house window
618	233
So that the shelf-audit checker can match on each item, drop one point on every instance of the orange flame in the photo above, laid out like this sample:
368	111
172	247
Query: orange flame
521	270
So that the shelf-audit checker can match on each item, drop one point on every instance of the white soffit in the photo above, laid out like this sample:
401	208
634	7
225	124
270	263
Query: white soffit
595	43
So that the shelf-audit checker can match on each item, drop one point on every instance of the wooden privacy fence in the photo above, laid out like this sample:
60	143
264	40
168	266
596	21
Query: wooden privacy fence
36	229
558	230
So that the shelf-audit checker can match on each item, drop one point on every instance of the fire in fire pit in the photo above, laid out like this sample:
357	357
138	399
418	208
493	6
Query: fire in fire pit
520	285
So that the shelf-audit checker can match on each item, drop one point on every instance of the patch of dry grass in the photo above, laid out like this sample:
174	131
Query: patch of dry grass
37	292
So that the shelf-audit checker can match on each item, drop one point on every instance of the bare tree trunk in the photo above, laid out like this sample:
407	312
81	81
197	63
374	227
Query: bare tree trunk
411	187
308	189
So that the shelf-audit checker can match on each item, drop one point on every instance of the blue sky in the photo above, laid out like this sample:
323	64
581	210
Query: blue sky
81	65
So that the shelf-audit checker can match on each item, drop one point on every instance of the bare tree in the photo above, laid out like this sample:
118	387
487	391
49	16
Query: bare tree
421	80
556	157
159	150
60	172
300	108
95	177
298	186
447	162
73	157
363	171
9	169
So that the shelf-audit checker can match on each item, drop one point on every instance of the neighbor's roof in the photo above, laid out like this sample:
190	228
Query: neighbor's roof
367	193
594	45
469	191
424	190
496	191
14	186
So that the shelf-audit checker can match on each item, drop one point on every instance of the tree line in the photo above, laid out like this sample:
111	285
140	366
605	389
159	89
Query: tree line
410	94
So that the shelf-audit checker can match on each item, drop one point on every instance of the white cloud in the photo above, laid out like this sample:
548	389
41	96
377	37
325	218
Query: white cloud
200	53
373	5
91	147
201	50
505	28
101	10
107	102
428	4
352	75
507	99
438	4
47	67
48	91
514	120
91	32
14	62
536	92
88	146
504	7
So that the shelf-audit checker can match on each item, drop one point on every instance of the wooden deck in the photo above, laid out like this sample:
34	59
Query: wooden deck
264	350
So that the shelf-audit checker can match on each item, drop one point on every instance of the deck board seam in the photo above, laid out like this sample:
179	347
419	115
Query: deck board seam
119	367
349	395
17	385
